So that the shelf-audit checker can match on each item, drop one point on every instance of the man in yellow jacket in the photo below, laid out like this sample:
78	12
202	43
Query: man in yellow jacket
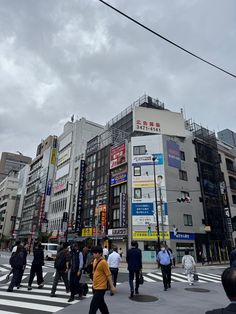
101	279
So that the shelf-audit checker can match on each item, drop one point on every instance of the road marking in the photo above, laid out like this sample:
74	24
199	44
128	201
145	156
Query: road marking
206	278
186	279
32	306
36	297
148	279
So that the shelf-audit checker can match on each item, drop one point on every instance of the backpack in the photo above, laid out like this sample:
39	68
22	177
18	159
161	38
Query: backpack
60	261
16	260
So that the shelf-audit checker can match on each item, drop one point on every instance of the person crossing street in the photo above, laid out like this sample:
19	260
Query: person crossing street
164	259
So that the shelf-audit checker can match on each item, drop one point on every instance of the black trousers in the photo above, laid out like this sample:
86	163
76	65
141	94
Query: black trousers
17	275
74	283
98	302
131	280
114	273
60	274
166	275
38	271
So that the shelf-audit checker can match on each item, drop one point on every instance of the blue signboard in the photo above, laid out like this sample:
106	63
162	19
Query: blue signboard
173	153
119	178
182	236
142	209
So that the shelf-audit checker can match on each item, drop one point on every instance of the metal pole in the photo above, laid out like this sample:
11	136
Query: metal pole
162	220
155	189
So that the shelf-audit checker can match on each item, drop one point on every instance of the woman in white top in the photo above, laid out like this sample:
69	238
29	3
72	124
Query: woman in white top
189	266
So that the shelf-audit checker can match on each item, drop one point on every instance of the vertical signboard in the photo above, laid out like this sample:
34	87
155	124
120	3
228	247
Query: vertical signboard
123	211
173	153
80	197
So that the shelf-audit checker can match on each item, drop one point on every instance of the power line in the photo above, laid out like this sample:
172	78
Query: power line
166	39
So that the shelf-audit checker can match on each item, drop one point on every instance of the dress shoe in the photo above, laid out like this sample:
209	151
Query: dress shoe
169	285
52	295
29	288
131	294
136	292
71	299
41	285
9	290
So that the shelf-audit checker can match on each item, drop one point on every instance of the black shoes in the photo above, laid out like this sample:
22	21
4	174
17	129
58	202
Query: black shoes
165	289
52	295
71	299
9	290
29	288
169	285
131	294
136	292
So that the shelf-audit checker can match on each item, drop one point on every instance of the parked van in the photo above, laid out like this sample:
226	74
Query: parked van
50	250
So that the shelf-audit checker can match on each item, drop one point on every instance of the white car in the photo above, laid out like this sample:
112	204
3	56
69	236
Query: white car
50	250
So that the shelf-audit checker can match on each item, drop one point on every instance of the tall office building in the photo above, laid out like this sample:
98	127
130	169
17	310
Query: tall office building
227	136
11	161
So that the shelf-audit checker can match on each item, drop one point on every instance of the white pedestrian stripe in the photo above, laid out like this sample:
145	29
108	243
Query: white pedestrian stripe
32	306
178	277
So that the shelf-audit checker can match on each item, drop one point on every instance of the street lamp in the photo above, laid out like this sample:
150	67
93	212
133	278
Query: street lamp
155	189
161	204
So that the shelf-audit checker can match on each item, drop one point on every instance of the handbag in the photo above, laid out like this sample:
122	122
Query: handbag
195	277
141	279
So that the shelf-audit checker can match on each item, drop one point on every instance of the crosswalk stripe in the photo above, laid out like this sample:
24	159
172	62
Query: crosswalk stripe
37	297
33	306
6	312
155	276
148	279
184	276
215	275
208	279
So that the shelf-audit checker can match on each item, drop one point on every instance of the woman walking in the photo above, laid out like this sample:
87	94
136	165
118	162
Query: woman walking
189	266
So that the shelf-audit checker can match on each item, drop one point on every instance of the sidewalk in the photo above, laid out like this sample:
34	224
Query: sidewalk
152	267
176	299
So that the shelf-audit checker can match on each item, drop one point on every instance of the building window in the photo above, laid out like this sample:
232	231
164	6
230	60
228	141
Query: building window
183	175
182	155
116	218
137	193
137	171
139	150
188	220
234	199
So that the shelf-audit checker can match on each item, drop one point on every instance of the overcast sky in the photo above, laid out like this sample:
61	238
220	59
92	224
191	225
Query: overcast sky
64	57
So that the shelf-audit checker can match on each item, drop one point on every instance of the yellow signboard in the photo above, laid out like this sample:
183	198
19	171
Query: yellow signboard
144	235
87	232
53	156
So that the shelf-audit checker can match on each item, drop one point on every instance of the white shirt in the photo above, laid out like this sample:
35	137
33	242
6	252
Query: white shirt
105	251
14	249
114	260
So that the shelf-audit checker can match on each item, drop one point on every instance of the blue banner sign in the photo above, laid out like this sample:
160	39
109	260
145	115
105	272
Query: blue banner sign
182	236
118	178
142	209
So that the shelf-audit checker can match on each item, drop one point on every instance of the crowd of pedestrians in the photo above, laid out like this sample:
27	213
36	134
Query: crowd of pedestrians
102	267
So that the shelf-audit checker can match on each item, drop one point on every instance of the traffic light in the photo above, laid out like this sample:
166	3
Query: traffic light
186	199
149	230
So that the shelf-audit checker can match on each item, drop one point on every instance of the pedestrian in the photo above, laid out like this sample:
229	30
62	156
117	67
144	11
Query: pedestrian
232	258
164	260
113	263
134	261
105	252
61	265
17	262
85	254
228	279
101	279
120	252
75	270
89	263
189	265
202	257
14	248
37	266
25	252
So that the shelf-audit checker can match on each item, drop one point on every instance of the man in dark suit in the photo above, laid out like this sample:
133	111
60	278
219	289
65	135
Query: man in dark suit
134	261
228	279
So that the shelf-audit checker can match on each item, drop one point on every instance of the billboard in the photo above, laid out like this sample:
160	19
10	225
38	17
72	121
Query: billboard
118	178
117	156
158	121
147	160
173	153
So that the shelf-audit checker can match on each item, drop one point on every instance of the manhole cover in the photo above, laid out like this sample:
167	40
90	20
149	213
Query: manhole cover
144	298
197	290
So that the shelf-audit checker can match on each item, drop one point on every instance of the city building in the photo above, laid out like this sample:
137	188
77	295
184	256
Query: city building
64	218
38	193
227	136
11	161
8	191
